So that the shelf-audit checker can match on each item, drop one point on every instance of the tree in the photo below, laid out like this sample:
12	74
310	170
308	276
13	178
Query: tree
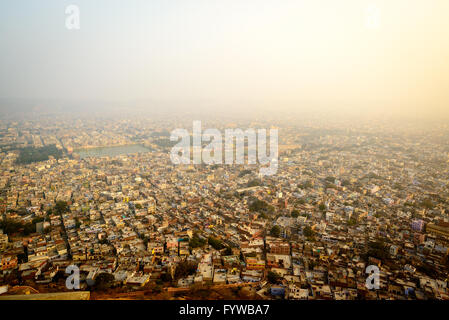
165	277
196	242
215	243
263	215
275	231
254	183
322	206
31	154
37	220
244	172
10	226
61	207
273	277
308	232
228	251
306	185
345	183
29	228
260	206
12	278
295	213
378	249
104	281
185	268
427	204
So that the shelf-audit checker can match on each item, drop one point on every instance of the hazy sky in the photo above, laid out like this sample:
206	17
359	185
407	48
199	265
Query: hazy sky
322	52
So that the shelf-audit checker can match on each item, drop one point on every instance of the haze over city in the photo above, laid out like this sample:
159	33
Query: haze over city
223	55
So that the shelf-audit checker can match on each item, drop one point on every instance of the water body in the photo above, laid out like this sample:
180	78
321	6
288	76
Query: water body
111	151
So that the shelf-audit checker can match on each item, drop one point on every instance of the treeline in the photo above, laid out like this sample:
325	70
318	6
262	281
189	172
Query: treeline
378	249
260	206
164	143
215	243
196	242
29	155
12	227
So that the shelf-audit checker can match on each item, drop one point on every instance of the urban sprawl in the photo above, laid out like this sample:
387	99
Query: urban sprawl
345	196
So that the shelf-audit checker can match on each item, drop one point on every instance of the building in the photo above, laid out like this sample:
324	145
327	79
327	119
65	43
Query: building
418	225
8	262
254	263
3	240
441	228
